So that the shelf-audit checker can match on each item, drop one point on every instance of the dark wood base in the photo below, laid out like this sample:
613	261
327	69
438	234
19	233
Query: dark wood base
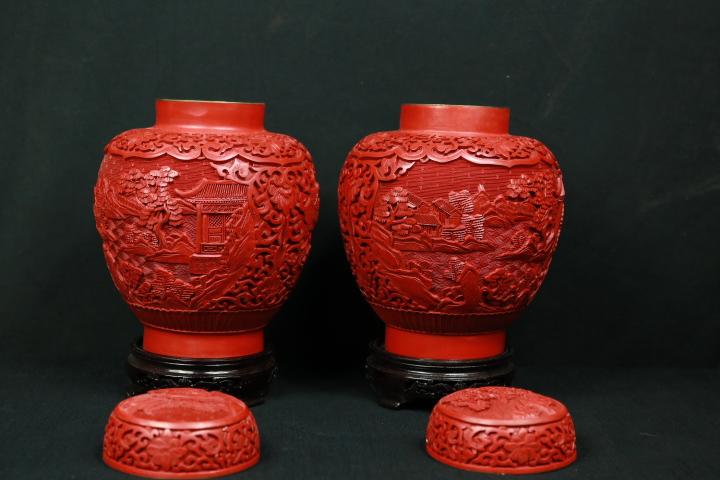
401	381
247	378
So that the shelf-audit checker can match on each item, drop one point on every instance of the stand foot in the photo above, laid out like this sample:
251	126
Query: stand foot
399	381
247	378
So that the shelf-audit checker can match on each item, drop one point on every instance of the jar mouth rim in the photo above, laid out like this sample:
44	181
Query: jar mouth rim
455	118
190	100
415	104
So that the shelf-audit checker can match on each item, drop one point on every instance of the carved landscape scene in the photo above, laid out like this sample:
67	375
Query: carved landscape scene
465	243
450	224
197	235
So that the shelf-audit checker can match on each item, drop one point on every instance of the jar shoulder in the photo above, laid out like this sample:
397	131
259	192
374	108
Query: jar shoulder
441	146
257	146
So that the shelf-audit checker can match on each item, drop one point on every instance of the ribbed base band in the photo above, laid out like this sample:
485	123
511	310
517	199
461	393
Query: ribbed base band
400	381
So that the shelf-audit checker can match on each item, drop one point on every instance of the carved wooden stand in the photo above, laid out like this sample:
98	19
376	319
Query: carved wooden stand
247	378
399	381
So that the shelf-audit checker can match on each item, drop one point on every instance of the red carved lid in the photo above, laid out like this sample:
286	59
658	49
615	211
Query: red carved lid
501	406
180	408
181	433
501	430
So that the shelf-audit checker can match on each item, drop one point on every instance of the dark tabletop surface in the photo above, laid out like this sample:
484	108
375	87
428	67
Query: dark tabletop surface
631	423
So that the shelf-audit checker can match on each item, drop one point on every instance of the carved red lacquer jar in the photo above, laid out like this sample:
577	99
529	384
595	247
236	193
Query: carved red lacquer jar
206	221
501	430
181	433
449	224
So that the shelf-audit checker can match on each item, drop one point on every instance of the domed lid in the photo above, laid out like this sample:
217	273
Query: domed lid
181	433
182	408
501	406
501	430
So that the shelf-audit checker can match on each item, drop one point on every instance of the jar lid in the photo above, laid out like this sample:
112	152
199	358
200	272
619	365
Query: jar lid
181	433
501	430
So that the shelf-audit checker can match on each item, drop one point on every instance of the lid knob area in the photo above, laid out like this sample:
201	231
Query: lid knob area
181	433
501	430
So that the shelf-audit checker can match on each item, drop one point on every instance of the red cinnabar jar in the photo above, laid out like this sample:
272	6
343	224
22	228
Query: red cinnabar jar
449	224
206	221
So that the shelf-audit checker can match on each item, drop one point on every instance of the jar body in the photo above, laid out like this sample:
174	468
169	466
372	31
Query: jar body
205	231
449	233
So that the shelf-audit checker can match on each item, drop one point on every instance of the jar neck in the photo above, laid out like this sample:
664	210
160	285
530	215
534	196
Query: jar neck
455	118
192	114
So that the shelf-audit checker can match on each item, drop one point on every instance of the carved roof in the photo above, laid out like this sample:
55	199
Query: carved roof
222	191
427	219
444	206
416	200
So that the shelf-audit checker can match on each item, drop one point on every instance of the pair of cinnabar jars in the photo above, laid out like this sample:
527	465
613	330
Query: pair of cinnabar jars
206	218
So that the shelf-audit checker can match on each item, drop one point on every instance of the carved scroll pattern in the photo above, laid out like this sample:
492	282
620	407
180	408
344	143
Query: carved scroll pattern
181	451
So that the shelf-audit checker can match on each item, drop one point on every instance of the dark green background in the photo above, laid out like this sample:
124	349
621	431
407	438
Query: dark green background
626	93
